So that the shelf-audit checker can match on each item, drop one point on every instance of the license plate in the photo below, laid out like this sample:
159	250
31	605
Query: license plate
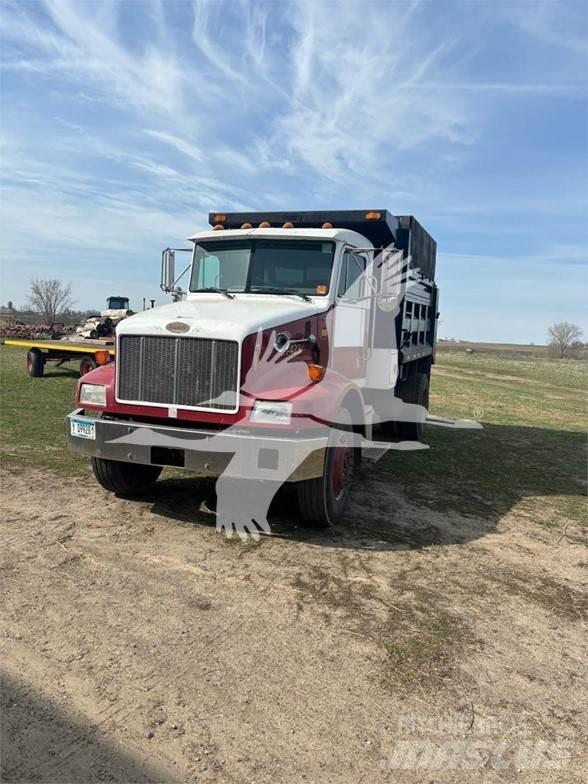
83	428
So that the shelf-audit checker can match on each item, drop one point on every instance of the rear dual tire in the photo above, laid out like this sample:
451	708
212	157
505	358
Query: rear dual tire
414	391
131	480
417	393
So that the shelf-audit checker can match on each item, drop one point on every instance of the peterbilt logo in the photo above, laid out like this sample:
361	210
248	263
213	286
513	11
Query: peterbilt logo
177	327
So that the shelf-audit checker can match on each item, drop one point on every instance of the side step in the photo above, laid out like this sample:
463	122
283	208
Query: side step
457	424
372	451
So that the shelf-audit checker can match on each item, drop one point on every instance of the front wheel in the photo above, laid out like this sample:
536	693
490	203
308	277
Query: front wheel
127	479
322	500
87	363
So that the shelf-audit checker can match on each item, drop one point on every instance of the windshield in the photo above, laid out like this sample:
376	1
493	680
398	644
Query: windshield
272	266
118	303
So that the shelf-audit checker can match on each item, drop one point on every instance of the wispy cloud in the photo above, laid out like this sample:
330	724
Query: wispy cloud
125	123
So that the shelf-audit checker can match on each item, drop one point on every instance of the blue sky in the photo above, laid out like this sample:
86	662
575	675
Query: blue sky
124	123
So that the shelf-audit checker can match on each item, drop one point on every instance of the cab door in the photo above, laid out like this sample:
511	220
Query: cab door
351	316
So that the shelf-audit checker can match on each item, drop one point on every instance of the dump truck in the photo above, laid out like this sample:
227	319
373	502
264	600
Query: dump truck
305	340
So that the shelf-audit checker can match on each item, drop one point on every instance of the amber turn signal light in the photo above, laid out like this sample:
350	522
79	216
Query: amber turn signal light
315	373
102	357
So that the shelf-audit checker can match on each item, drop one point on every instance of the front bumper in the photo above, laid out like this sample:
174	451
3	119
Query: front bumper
208	452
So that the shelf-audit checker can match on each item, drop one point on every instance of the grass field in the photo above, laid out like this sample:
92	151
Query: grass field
532	446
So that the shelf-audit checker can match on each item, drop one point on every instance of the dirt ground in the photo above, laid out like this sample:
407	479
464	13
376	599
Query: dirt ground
141	646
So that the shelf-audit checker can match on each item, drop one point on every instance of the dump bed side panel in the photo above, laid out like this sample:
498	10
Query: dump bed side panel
418	243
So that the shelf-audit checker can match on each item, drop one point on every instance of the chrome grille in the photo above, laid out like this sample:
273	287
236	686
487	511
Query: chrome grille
178	371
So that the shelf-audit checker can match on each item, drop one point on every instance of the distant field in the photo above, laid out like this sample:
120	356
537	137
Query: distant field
521	349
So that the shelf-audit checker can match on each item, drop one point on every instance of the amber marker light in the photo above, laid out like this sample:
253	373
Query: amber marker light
321	289
218	227
327	225
102	357
246	225
373	215
265	225
219	218
288	225
315	373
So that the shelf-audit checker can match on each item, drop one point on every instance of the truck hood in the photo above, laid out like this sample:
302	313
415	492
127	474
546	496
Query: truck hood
215	316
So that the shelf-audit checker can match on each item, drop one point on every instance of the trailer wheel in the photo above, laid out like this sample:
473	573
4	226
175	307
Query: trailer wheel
35	363
87	363
322	500
126	479
416	391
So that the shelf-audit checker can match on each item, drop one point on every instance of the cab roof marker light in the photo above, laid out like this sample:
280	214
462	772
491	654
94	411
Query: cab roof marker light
246	225
373	215
265	225
288	225
327	225
219	218
218	227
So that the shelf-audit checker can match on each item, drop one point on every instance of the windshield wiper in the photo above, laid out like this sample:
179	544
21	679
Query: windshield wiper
212	289
305	297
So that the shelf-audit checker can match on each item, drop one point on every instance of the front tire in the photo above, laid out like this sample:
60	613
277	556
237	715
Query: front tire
322	500
126	479
87	363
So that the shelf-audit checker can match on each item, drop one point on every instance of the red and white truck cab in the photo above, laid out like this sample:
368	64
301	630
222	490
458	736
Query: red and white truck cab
299	334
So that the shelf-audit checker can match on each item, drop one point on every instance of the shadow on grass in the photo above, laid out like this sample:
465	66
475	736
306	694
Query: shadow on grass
42	742
455	492
62	372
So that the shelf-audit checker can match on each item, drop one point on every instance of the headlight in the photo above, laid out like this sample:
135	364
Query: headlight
93	394
271	413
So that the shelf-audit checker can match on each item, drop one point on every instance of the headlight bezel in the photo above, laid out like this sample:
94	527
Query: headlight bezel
93	395
271	412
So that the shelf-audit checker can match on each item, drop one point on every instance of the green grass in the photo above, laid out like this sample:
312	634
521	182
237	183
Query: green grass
532	449
531	452
32	411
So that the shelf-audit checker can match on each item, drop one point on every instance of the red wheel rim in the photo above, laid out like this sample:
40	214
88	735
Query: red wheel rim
342	472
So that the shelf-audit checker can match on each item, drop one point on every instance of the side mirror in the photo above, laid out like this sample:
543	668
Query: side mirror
168	269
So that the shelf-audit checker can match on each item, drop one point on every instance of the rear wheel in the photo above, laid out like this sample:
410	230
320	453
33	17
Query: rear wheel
322	500
35	363
416	392
87	364
128	479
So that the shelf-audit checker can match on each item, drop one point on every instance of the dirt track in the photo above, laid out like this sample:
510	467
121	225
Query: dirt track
140	645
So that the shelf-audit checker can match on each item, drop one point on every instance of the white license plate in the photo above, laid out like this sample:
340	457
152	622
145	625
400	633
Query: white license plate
83	428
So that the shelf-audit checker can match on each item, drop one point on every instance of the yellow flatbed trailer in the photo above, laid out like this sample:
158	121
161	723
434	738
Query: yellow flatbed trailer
90	353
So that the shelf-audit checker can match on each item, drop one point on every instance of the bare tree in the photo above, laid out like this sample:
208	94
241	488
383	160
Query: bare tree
50	298
563	335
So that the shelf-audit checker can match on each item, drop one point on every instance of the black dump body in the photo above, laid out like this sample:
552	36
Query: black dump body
402	230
